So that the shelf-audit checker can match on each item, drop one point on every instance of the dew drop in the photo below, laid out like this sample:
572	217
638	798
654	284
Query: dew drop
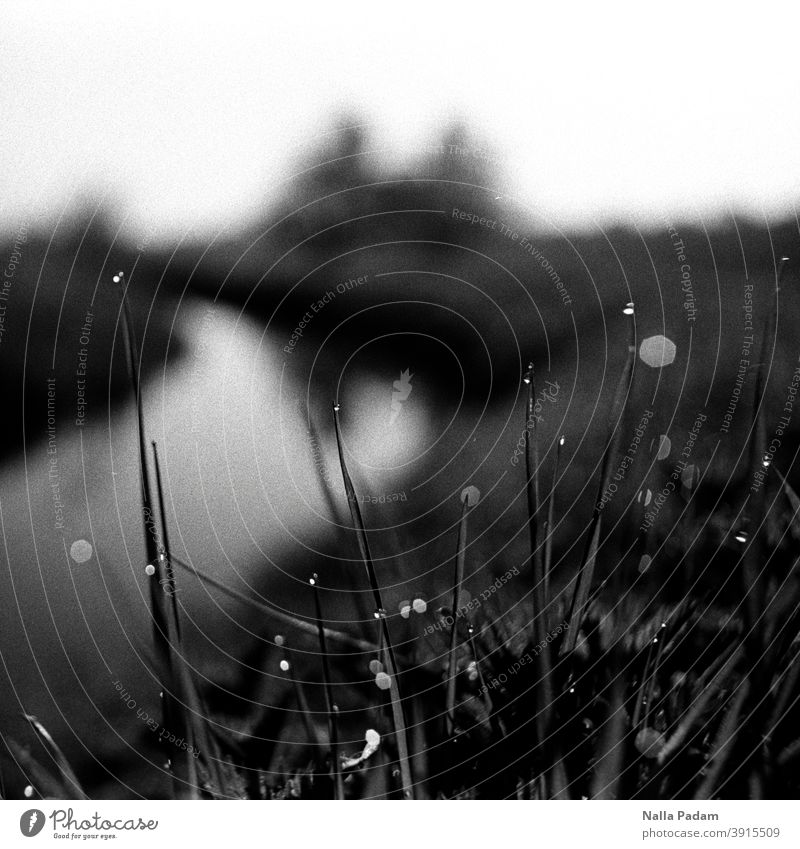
628	308
28	791
375	666
528	376
279	641
150	569
284	666
644	563
561	441
471	495
419	605
664	447
383	681
742	537
405	608
657	351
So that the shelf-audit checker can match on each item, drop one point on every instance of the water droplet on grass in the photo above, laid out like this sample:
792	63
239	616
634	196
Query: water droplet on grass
471	495
657	351
528	376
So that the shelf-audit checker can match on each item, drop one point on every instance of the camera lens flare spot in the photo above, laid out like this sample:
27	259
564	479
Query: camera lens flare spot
664	447
81	551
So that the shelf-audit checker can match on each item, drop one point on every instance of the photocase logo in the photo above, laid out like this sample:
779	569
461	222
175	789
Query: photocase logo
402	389
31	822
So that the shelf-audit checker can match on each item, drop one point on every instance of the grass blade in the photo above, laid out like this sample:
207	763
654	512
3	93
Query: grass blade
160	628
724	742
40	779
752	577
65	771
398	716
553	767
610	756
299	692
698	706
168	579
585	576
171	711
550	528
262	606
330	704
458	579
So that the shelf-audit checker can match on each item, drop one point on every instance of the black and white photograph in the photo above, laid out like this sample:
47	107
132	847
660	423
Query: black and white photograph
400	403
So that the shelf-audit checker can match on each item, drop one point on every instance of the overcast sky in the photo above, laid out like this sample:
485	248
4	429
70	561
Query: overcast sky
191	115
